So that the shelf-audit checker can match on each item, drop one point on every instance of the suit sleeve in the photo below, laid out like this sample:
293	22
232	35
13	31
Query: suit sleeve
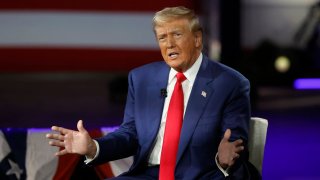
236	113
236	116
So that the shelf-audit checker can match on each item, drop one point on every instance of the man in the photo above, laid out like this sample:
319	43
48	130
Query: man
185	118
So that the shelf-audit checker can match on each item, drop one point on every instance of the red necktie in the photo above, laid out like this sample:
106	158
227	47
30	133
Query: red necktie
172	131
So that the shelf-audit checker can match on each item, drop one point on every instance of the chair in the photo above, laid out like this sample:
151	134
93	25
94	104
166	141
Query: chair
257	140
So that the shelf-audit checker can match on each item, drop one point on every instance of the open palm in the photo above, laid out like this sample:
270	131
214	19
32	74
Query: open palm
71	141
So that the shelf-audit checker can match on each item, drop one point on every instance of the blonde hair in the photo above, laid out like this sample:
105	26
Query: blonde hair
180	12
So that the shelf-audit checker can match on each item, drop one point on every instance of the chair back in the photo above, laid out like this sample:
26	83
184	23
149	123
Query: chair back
257	141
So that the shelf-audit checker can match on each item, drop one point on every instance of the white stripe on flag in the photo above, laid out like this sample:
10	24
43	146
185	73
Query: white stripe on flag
5	148
120	166
122	30
40	160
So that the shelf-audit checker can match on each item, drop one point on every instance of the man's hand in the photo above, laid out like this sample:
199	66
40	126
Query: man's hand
71	141
228	152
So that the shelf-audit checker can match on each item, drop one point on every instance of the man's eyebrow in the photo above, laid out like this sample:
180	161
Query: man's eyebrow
161	34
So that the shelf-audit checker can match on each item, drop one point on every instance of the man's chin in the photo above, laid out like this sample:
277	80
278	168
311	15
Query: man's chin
177	68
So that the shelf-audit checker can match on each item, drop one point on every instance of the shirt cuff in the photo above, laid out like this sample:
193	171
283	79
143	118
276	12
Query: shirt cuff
88	160
225	172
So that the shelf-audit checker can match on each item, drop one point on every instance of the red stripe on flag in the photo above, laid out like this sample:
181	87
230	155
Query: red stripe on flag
96	5
104	170
74	60
67	164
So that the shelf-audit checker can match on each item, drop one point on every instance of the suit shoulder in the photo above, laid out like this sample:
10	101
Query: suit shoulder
228	72
150	67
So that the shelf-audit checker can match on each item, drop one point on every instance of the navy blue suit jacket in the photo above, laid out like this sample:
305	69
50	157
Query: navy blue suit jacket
226	105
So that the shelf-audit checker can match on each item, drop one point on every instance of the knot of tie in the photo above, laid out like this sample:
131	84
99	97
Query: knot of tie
180	77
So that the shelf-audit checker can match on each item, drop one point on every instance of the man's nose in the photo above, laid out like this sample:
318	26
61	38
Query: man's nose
170	42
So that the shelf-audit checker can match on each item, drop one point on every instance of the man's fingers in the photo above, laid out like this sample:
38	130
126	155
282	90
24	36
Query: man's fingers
227	135
62	152
238	142
60	129
55	137
239	149
57	143
238	145
236	156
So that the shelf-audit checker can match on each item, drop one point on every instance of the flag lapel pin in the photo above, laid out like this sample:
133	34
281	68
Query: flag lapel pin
204	94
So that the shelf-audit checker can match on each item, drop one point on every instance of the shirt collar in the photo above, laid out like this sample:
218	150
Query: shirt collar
191	73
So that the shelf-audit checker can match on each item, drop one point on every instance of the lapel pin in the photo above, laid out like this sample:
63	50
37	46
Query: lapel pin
204	94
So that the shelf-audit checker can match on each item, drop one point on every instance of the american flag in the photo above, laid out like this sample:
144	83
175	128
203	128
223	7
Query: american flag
83	35
26	154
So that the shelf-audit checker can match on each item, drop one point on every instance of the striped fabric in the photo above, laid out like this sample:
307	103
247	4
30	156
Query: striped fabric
26	154
95	35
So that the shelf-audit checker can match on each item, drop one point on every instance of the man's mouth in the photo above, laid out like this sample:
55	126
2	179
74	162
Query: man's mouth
173	55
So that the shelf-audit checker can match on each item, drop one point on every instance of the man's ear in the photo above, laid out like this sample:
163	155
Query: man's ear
198	38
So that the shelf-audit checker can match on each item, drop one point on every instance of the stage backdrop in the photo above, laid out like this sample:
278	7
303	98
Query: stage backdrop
64	35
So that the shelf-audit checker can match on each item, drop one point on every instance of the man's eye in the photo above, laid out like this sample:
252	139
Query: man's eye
177	34
161	38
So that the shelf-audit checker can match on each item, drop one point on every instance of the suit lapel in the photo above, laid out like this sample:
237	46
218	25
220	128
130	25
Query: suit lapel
156	102
198	99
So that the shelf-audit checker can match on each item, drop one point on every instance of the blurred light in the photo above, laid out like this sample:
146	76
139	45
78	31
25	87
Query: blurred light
307	83
282	64
215	50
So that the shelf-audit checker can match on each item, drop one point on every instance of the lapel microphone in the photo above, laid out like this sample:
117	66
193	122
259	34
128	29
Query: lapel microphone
163	92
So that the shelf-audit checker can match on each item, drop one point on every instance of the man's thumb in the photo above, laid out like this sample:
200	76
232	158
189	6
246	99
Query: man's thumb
227	135
80	126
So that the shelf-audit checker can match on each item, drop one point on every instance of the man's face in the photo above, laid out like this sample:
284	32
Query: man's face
179	46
